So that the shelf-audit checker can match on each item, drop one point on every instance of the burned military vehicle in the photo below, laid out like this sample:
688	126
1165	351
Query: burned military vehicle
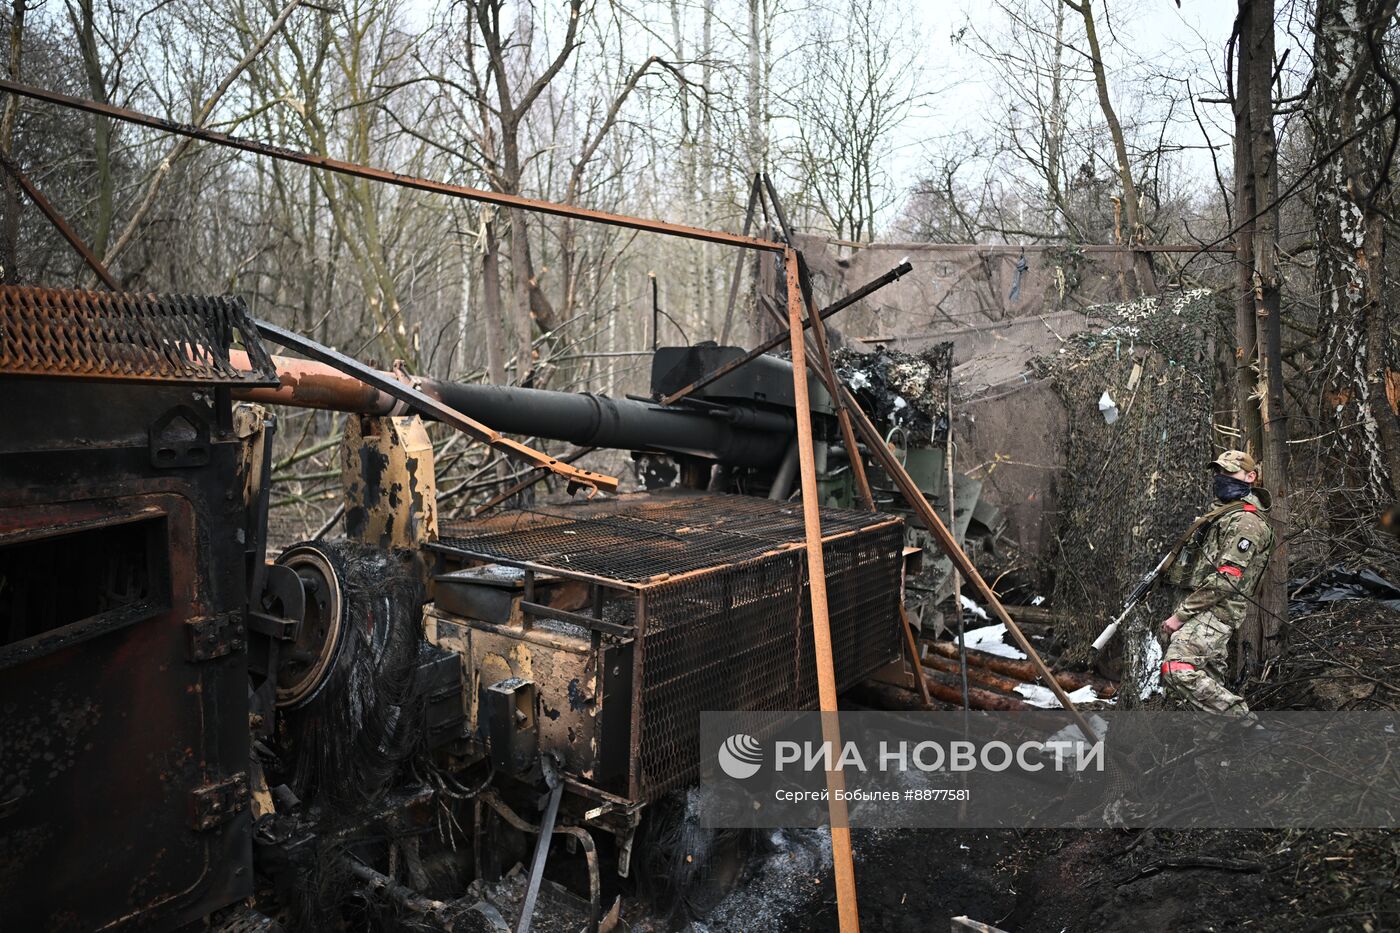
376	729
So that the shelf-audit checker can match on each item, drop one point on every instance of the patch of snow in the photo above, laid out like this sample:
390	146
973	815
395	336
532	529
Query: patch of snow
972	607
1072	733
988	639
1044	697
1152	667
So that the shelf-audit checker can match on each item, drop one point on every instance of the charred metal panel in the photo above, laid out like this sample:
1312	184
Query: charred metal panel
390	491
694	602
123	676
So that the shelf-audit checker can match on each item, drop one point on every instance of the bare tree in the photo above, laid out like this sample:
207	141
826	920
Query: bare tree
1132	203
860	80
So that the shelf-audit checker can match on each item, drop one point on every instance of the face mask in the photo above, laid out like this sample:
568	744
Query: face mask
1228	489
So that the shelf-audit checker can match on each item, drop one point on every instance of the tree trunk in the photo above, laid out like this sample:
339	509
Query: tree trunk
491	301
1258	311
1363	446
9	188
105	196
1142	263
1246	338
758	145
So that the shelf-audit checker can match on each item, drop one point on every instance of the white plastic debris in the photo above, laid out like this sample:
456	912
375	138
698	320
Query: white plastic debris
1108	408
1037	601
857	380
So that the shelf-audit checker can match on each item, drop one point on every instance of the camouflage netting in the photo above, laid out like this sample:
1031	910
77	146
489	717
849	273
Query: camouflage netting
1138	391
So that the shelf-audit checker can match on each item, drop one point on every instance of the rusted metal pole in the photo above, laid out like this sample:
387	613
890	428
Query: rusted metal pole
911	645
949	545
308	384
842	862
58	220
355	170
867	289
930	520
525	482
848	437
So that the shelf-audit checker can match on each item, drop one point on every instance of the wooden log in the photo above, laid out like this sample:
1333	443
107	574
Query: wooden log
946	688
1035	614
1022	670
975	675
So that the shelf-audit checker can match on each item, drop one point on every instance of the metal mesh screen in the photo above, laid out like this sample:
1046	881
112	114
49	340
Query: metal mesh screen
741	639
638	538
726	616
112	335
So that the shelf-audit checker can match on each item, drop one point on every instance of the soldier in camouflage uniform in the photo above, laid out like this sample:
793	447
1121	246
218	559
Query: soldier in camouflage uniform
1222	572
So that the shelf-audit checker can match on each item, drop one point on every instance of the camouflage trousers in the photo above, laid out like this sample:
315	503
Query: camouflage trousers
1193	669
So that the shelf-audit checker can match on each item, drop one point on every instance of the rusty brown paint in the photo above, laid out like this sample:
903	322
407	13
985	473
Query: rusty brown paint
306	384
841	855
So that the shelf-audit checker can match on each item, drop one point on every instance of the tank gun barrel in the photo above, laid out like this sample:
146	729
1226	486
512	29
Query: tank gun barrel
736	435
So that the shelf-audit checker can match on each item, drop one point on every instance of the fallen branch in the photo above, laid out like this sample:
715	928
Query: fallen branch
1195	861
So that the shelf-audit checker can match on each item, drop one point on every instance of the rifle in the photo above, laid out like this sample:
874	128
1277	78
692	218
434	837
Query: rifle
1138	594
1149	580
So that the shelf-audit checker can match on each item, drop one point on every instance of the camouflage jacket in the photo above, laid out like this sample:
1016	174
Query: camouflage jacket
1225	565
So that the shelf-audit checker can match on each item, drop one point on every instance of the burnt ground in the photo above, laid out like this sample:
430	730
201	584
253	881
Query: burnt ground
1052	880
1347	655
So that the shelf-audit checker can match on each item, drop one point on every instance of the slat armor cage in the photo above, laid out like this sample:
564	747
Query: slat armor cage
714	590
128	337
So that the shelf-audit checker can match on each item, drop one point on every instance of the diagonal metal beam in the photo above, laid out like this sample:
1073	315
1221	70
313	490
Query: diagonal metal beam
356	170
430	406
58	220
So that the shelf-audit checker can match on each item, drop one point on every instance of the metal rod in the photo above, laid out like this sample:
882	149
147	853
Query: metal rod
433	408
949	545
842	304
525	482
394	178
532	891
842	863
739	263
57	219
912	646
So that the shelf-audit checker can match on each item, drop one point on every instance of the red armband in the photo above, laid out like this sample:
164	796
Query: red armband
1232	571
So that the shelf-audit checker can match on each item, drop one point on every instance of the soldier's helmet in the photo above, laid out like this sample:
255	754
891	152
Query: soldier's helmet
1233	461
